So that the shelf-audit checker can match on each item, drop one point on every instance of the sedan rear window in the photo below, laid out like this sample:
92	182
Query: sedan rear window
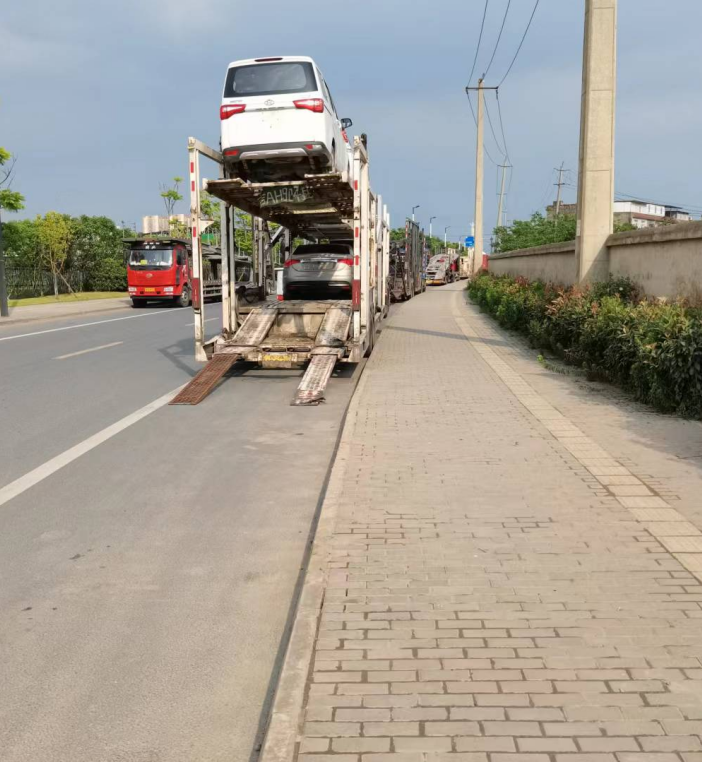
270	79
323	248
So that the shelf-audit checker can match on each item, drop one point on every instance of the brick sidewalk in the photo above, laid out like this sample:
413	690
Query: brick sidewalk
497	587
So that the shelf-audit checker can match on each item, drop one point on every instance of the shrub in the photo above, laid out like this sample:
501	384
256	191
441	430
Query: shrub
652	349
108	275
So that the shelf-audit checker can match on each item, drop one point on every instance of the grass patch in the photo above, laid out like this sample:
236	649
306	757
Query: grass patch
85	296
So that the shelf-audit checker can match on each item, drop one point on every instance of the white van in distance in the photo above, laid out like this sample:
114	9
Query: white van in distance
279	121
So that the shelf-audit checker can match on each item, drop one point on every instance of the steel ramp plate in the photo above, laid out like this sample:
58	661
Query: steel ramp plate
205	381
335	328
314	382
255	328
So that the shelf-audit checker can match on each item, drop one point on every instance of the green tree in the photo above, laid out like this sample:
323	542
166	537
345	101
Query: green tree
539	231
171	195
21	243
9	199
54	234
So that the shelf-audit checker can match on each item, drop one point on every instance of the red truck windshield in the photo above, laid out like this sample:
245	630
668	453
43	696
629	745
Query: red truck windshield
150	259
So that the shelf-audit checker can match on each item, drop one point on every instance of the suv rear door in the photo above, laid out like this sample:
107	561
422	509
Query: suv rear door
258	105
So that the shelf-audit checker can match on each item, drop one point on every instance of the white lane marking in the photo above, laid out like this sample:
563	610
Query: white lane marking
85	351
97	322
17	487
209	320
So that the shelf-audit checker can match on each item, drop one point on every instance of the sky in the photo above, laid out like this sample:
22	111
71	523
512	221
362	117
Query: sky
97	99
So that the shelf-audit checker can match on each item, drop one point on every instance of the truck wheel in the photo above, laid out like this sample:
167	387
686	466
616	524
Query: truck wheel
371	337
183	300
138	303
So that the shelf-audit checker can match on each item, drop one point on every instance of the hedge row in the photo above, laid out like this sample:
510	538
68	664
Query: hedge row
653	349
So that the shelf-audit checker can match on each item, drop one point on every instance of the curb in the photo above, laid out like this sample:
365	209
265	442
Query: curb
10	321
282	735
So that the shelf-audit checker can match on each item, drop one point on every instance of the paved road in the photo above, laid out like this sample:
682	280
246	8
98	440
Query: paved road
145	587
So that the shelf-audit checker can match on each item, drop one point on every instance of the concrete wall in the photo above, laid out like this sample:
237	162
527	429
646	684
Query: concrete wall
554	263
664	262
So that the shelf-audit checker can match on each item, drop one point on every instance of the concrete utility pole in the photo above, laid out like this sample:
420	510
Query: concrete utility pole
596	161
4	307
504	168
479	158
560	184
431	244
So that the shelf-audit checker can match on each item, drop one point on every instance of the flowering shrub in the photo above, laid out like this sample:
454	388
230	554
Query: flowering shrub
652	349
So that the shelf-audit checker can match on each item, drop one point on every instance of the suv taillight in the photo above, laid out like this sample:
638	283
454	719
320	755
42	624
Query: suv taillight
235	108
291	262
311	104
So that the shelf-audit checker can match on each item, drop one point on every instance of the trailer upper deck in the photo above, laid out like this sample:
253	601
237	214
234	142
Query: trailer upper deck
320	206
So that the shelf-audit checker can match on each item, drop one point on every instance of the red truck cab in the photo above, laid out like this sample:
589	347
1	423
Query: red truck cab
159	270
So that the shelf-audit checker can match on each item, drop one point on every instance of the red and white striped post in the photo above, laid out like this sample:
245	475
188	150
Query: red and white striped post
198	313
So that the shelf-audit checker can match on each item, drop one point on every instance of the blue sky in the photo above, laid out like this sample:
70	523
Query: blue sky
97	98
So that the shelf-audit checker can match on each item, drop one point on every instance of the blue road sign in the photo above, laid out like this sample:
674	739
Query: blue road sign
470	241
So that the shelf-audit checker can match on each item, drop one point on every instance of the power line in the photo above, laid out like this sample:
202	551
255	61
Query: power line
492	130
480	38
516	55
499	37
502	126
475	119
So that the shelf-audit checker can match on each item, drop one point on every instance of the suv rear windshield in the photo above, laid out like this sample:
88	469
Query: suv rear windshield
270	79
323	248
150	259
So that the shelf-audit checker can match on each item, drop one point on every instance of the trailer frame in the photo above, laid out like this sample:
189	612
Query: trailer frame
290	333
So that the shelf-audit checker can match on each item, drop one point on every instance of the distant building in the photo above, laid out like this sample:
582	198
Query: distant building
640	214
156	224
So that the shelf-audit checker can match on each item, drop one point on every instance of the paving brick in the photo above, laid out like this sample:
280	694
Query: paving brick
511	728
362	715
332	729
423	744
571	729
360	744
390	728
483	744
671	743
608	744
546	744
451	728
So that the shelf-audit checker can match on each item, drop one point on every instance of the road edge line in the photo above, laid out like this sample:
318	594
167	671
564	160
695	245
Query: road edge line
283	729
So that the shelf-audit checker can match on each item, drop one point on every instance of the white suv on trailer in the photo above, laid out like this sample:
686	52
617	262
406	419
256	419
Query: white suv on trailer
279	121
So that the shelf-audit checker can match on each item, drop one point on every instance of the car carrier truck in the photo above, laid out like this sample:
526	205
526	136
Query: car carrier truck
285	334
407	264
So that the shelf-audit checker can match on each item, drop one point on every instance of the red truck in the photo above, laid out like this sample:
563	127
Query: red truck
161	270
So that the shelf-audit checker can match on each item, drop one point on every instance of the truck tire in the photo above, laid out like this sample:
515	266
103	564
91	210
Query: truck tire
371	337
138	303
183	300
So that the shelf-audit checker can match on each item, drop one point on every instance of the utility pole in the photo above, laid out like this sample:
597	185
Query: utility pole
504	168
4	307
596	160
560	184
479	157
431	244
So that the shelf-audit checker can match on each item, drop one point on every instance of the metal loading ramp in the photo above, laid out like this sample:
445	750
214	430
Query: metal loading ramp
260	337
320	206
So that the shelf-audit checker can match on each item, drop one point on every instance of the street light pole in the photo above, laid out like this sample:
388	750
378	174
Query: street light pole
446	229
413	208
431	244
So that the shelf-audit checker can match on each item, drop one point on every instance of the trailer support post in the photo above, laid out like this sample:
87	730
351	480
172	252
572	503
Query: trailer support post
198	313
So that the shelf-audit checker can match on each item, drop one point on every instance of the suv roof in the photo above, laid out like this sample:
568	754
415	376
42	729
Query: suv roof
270	59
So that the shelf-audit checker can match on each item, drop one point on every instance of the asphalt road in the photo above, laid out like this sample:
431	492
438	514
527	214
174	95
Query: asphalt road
145	587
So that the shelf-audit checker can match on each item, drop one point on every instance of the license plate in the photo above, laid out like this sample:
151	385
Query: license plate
288	194
308	266
278	357
149	290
